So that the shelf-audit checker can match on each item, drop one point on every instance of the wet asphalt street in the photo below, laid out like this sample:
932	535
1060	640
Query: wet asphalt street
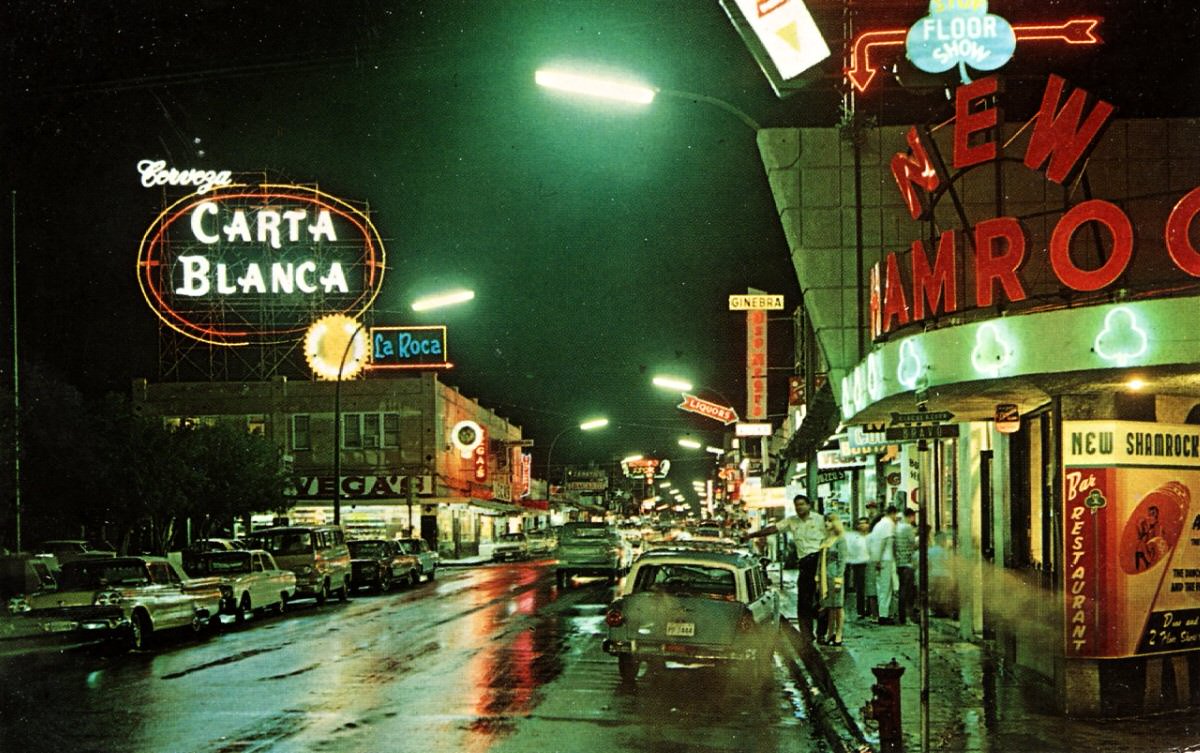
491	658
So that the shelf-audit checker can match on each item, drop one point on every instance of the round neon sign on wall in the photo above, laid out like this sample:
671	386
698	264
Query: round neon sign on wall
243	265
331	339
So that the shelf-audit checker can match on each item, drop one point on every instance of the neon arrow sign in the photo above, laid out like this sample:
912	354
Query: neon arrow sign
1076	31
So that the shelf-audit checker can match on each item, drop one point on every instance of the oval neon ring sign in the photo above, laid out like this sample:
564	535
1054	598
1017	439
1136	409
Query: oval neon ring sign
244	265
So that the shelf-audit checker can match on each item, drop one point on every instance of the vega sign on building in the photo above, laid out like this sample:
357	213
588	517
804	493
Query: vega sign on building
238	265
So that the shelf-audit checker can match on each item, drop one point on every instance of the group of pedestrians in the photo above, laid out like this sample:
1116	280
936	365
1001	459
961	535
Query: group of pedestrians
876	562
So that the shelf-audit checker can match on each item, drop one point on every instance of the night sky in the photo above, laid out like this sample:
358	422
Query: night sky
602	241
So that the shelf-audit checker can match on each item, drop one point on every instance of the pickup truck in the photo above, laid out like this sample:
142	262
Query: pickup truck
152	592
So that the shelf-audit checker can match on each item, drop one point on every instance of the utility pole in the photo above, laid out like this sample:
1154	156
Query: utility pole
16	395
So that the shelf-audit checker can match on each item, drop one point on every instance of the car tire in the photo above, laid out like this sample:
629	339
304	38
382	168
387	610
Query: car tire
385	582
140	631
414	578
244	609
323	594
628	666
282	606
432	574
344	591
199	622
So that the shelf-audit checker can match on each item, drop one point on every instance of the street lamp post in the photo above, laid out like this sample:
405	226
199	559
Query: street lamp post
595	423
337	426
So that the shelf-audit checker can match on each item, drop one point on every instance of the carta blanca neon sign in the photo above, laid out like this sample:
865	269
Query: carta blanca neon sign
409	348
274	256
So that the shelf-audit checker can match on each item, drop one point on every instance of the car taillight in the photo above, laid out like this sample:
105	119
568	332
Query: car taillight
615	617
746	622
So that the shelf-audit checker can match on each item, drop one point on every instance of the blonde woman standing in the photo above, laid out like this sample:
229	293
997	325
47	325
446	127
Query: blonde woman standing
831	577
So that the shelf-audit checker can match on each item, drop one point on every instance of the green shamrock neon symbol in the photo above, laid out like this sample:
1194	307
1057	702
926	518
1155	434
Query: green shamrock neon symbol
962	33
874	376
847	397
1121	339
910	368
992	352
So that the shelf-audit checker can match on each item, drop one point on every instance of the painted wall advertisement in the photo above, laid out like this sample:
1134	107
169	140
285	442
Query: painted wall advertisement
1131	570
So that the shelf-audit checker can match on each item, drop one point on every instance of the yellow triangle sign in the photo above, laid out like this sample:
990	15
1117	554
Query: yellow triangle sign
789	34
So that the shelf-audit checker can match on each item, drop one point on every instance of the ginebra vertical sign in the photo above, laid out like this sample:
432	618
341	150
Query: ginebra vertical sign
756	364
238	265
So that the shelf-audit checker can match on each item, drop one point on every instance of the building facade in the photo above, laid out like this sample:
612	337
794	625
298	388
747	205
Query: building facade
405	465
1007	313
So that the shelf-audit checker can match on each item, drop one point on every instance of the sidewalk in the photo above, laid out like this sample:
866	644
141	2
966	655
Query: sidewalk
977	702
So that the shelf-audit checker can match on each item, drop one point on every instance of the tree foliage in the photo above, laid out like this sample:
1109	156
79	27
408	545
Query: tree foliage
101	470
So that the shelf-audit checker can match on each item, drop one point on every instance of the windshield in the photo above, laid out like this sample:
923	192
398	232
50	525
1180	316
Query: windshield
687	580
89	574
361	549
224	562
408	547
595	532
283	542
514	537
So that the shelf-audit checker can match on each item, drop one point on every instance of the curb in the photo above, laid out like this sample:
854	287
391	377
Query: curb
829	711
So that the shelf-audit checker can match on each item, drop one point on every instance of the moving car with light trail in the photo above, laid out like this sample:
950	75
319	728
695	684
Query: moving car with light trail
590	549
695	607
249	580
511	546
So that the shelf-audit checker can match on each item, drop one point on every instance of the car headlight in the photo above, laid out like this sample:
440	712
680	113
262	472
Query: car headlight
106	599
18	605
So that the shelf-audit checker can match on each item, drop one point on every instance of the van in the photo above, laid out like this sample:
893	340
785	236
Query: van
318	555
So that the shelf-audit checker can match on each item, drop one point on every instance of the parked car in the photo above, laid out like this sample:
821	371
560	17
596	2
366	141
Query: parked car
249	579
510	547
69	550
590	549
318	555
378	563
427	559
152	592
541	542
215	545
710	607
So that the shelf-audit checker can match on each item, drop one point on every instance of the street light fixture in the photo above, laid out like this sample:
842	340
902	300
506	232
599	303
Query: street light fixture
595	86
690	444
440	300
673	384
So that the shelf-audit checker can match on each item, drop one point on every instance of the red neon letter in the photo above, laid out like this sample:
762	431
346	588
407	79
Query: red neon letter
939	285
968	122
1179	228
991	266
876	303
913	171
1107	214
1058	136
894	305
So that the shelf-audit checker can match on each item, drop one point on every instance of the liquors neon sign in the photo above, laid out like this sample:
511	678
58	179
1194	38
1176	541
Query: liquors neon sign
237	264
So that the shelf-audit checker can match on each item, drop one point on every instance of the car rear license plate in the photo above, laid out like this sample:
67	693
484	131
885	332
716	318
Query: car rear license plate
58	626
681	629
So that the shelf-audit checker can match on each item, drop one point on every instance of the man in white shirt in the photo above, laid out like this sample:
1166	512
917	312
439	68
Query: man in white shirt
857	559
882	547
807	530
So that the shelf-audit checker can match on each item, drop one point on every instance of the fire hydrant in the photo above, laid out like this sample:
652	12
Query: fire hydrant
884	707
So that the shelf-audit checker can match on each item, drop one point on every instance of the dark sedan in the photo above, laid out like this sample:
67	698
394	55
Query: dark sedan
378	563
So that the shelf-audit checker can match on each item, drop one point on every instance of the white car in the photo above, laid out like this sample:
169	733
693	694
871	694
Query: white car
153	593
695	607
249	579
511	546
